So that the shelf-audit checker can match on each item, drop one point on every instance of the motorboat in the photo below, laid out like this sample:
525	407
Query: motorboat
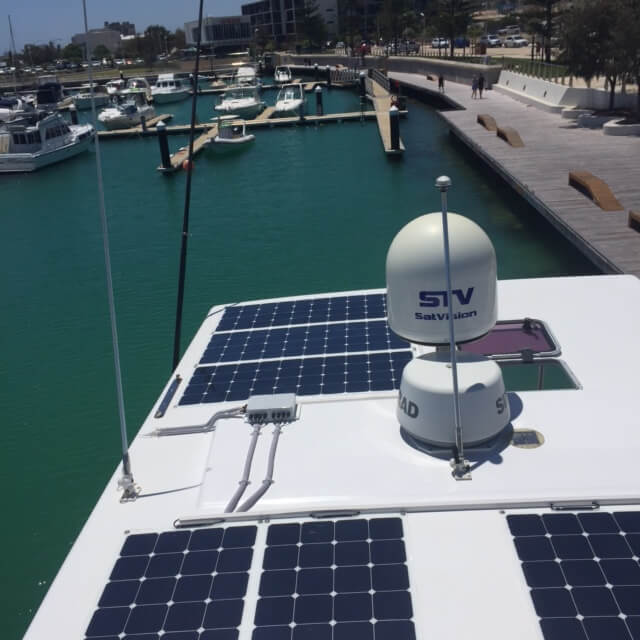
170	88
290	99
82	99
49	93
140	83
40	139
114	87
232	135
129	113
282	75
246	75
242	101
12	108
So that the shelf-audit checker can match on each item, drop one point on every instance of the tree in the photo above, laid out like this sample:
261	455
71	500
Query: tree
395	18
453	17
178	39
310	24
591	45
73	53
542	18
157	40
101	52
627	28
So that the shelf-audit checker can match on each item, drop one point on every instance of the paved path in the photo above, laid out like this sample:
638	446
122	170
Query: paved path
540	170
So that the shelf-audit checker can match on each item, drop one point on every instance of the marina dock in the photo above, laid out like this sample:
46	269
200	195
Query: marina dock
381	99
178	158
553	148
137	130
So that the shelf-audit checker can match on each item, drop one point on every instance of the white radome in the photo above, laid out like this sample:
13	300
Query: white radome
425	402
416	282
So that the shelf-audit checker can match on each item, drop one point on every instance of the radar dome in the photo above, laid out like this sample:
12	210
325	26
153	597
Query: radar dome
425	400
417	301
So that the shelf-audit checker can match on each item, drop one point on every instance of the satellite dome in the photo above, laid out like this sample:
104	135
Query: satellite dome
417	302
425	401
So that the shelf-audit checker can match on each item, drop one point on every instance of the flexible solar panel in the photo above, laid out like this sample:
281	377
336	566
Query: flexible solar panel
176	585
583	572
335	580
301	341
292	312
306	376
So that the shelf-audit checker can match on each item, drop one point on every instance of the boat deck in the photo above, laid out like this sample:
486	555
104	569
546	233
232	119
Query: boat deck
553	148
343	462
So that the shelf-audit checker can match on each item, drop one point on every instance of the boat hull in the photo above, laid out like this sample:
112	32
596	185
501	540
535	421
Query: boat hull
247	112
176	96
28	162
222	145
83	103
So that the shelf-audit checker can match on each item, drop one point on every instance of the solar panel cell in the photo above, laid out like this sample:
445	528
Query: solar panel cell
171	591
589	588
331	591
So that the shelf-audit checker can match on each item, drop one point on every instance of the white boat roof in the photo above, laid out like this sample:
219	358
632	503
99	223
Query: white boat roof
344	458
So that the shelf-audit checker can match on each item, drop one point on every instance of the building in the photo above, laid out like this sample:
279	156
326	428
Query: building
106	37
124	28
229	33
277	19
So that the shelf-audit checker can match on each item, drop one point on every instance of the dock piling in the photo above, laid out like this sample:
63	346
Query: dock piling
328	77
165	157
143	124
73	112
363	90
319	110
315	69
394	127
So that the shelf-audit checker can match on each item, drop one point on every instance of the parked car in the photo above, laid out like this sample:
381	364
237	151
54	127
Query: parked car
402	48
491	40
440	43
515	41
340	45
461	42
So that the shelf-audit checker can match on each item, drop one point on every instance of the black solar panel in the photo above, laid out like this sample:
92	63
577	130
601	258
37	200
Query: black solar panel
176	584
583	572
292	312
342	580
301	341
308	376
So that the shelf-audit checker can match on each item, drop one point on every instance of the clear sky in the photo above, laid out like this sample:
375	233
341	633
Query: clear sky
38	21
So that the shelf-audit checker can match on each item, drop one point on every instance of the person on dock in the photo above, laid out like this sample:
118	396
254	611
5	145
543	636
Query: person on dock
480	85
441	83
474	87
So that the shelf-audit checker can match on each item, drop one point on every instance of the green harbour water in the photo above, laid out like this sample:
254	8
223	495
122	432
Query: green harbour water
304	210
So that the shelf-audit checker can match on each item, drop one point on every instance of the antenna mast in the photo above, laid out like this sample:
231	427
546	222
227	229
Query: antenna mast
459	464
129	489
187	201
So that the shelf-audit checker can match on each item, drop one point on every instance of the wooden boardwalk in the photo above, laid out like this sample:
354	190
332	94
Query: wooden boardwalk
539	171
137	130
266	113
182	154
381	99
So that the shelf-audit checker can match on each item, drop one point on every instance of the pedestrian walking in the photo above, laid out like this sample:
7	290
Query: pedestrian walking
441	83
474	87
480	85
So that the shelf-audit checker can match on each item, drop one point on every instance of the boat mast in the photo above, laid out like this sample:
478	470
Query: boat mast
13	55
187	201
129	489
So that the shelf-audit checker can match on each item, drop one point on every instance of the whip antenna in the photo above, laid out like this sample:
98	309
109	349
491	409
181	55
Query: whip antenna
187	201
129	489
459	464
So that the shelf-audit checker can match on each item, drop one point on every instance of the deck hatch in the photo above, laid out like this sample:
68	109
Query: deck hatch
335	580
177	581
583	572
